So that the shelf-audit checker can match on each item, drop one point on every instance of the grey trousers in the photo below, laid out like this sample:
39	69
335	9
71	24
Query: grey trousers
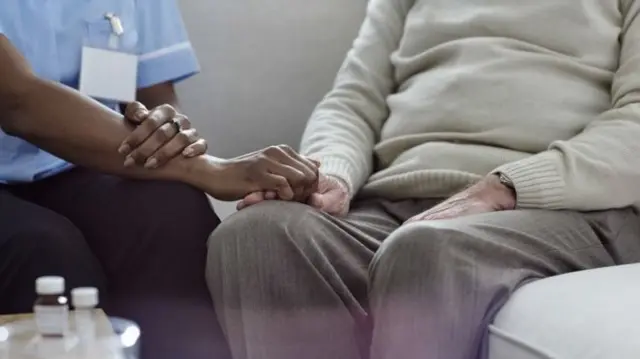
289	282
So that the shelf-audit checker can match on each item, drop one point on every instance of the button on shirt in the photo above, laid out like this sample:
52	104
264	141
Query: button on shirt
50	34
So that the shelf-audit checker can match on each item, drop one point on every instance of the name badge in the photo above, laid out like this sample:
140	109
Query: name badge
107	74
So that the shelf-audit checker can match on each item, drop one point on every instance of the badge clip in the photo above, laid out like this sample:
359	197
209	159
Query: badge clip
117	30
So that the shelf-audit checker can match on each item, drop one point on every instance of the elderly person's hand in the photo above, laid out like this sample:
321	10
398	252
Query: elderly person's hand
331	196
488	195
160	135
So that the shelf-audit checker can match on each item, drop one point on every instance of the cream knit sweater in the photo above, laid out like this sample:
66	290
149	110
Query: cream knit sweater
436	94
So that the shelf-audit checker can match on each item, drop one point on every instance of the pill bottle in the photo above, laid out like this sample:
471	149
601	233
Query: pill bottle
51	308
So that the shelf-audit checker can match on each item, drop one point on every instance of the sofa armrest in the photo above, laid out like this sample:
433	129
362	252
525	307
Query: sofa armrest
591	314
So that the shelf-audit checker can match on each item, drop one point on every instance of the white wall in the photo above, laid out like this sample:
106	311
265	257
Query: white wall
266	63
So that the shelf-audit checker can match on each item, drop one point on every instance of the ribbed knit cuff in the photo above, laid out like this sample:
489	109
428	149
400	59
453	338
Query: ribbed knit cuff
343	170
537	180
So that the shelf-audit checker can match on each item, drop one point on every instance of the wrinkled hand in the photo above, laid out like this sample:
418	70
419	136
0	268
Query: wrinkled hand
488	195
332	196
277	169
160	135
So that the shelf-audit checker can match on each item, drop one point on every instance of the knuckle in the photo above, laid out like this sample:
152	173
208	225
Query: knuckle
130	110
152	123
270	151
185	121
184	137
167	109
163	133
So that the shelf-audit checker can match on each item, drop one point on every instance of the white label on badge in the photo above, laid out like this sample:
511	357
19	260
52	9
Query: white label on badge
108	75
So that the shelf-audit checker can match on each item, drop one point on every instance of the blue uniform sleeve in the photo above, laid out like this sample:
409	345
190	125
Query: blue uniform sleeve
165	53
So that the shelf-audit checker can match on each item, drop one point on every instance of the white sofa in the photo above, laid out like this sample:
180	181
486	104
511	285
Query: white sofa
248	97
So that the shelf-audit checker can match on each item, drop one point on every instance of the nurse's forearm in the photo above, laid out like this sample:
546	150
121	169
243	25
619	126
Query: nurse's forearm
82	131
72	126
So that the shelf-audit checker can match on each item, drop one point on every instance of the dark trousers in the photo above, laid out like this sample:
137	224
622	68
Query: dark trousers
142	243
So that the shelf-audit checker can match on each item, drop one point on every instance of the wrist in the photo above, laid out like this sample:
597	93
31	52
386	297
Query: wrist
502	192
200	171
342	183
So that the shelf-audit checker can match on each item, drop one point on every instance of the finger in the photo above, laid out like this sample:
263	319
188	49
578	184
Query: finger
196	149
285	154
151	146
251	199
316	201
303	164
270	195
280	185
155	119
183	120
293	176
305	184
166	151
136	112
315	162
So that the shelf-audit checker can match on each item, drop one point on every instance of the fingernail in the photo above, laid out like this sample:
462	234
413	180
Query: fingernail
151	163
188	152
129	161
124	149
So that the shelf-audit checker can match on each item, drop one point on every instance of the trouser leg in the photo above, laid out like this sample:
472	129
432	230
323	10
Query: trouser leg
289	282
435	286
34	242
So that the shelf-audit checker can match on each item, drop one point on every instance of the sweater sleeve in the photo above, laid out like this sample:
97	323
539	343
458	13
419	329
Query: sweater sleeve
600	167
347	123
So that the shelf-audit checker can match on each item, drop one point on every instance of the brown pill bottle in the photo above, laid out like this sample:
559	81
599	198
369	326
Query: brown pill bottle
51	309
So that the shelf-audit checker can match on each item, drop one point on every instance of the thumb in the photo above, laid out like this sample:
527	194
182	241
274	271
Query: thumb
136	112
250	200
317	201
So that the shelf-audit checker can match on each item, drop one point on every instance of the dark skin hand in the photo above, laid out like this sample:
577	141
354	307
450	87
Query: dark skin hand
82	131
157	139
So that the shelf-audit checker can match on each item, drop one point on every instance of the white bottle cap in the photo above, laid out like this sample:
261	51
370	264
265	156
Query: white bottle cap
50	285
84	297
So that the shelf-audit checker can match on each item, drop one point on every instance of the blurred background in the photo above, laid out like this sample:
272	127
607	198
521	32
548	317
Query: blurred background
265	65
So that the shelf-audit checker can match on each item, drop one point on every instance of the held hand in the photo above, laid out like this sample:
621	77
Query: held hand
277	169
332	197
160	135
488	195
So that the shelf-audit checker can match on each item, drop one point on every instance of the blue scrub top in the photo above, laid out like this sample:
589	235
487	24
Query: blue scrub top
51	34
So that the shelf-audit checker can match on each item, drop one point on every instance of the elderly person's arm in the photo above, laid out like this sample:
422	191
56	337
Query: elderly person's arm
600	167
347	123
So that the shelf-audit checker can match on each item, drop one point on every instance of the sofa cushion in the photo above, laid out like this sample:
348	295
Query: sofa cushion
592	314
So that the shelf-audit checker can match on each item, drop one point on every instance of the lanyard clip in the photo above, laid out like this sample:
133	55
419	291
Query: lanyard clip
116	24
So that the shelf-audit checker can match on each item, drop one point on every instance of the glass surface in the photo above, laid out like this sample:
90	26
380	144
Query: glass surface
91	337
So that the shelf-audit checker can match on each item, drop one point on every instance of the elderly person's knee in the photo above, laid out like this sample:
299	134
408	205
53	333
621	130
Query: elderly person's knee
260	235
422	248
267	221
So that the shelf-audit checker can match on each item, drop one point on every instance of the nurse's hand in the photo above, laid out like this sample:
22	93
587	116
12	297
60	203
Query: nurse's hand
161	134
277	169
